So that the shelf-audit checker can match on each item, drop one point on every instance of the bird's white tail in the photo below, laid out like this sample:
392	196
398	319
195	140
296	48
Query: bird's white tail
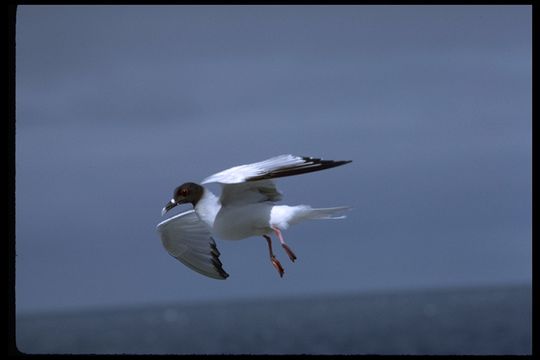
283	216
307	212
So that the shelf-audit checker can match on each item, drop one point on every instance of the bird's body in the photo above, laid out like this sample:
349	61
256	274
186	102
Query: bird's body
233	222
246	208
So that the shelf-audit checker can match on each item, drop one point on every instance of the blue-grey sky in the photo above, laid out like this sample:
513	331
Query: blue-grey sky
117	105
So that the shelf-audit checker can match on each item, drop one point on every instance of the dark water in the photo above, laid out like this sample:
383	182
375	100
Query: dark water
465	321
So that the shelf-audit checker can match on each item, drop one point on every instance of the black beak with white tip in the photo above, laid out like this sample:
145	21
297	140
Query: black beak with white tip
168	206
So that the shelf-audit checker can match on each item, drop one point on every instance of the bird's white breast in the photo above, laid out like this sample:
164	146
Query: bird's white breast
207	208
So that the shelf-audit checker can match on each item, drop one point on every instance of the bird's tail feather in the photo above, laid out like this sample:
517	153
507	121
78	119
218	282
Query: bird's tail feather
324	213
283	215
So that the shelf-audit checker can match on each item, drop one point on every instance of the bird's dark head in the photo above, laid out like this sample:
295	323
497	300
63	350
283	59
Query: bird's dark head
183	194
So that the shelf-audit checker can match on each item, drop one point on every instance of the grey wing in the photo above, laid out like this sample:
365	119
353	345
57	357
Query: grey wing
249	192
186	238
279	166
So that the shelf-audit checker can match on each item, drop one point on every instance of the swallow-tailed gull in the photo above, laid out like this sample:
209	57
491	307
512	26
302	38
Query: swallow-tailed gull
245	208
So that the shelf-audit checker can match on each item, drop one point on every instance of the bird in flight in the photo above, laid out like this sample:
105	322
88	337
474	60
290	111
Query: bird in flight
246	207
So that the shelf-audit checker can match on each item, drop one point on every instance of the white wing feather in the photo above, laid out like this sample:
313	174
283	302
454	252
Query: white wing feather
242	173
251	183
187	238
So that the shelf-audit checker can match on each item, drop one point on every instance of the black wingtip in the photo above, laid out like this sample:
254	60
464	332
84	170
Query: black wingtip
311	158
329	163
219	268
216	262
310	164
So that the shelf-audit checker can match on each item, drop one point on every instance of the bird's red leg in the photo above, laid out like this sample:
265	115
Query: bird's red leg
285	246
275	261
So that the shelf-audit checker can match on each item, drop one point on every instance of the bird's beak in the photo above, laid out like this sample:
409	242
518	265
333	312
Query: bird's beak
169	206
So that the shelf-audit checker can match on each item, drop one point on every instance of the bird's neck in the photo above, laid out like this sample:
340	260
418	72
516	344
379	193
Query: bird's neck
207	207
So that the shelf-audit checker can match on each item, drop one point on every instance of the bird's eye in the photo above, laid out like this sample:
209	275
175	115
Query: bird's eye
184	192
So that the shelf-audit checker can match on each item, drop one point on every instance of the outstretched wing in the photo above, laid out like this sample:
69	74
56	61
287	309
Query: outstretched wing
279	166
252	183
186	237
